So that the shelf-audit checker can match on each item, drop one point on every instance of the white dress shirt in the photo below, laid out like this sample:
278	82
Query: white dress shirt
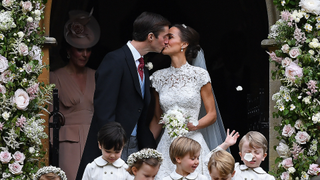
192	176
245	173
100	169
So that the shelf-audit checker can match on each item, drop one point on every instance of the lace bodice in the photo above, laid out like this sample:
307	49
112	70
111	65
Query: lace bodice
180	87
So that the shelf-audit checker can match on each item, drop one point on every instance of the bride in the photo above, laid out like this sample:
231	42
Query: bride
182	85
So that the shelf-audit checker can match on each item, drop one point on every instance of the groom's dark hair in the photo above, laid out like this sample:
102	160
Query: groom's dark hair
112	135
146	23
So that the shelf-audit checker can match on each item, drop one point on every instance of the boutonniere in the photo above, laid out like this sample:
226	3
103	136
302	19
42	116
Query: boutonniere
149	65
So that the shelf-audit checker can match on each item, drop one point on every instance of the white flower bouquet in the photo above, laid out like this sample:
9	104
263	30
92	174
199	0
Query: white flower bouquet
175	122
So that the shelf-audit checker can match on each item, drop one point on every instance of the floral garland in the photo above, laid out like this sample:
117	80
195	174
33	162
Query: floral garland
22	96
50	169
144	154
297	61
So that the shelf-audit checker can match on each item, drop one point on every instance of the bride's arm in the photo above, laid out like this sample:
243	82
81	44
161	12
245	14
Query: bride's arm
208	101
154	126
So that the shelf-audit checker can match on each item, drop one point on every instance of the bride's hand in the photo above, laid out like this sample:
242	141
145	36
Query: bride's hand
191	127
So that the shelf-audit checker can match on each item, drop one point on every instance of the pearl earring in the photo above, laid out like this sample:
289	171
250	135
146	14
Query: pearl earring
181	49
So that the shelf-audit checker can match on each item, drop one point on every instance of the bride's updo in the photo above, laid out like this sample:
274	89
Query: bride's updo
191	36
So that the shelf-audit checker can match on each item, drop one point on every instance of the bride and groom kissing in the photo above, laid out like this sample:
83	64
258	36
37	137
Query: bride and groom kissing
122	89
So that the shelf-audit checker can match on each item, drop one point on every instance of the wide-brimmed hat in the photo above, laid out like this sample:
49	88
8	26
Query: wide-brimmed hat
82	29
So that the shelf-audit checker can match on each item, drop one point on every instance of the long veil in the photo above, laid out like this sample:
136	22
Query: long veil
214	134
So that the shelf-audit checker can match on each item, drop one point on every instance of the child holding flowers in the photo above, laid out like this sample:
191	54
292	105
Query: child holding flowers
144	164
111	139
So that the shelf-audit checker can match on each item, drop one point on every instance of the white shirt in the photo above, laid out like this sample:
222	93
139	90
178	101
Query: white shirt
100	169
192	176
243	172
136	55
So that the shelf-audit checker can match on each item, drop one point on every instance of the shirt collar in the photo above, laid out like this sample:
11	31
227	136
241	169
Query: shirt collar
101	162
136	55
177	176
258	170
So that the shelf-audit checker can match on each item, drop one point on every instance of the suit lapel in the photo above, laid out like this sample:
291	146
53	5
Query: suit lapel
132	68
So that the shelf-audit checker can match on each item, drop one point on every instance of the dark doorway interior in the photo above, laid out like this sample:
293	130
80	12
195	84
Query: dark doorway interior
231	32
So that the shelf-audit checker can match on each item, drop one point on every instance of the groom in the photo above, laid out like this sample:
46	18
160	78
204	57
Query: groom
122	88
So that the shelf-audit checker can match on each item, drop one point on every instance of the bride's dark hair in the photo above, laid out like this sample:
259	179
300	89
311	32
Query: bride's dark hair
191	36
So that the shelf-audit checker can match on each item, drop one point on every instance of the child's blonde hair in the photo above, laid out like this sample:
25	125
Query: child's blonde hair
149	156
223	162
255	139
182	146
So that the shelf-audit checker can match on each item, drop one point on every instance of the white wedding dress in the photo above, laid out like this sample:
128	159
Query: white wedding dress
180	87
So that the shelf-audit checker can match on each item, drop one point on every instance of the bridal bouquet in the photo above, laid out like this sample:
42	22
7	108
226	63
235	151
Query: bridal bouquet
297	60
175	122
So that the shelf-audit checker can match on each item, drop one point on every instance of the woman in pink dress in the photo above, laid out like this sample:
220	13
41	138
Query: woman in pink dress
76	84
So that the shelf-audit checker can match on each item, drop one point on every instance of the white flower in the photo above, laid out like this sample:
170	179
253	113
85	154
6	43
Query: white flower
308	27
316	118
281	108
37	19
311	52
30	19
306	100
298	124
149	65
37	13
175	122
23	49
7	3
6	115
248	157
304	176
3	89
32	150
3	63
26	6
292	107
239	88
20	34
310	6
35	54
302	137
7	22
21	99
1	36
283	150
291	170
283	3
285	48
313	44
286	62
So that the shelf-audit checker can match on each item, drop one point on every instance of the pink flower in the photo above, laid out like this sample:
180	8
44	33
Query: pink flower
23	49
1	126
299	36
298	124
6	76
312	85
21	99
21	121
286	62
2	89
288	130
314	169
26	6
15	168
302	137
274	57
19	157
33	90
3	63
292	71
285	48
285	176
296	150
286	163
285	15
5	157
294	52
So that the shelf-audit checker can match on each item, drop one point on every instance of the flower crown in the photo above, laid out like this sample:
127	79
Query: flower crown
50	169
144	154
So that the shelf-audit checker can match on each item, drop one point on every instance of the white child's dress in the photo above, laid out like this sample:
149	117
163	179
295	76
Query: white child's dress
100	169
191	176
245	173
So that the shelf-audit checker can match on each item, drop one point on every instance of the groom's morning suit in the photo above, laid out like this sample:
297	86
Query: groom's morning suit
118	98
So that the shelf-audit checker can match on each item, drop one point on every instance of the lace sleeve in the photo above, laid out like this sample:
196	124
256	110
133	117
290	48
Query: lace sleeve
204	77
155	81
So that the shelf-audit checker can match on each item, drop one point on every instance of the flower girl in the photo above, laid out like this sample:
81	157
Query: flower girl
144	164
111	139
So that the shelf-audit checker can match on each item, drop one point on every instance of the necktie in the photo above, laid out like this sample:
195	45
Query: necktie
140	68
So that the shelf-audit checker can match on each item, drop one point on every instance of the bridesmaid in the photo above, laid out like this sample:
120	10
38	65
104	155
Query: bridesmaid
76	84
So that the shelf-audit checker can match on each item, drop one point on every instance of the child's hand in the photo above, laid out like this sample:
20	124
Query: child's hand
230	140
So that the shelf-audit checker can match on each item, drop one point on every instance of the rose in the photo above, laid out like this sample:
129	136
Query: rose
6	115
5	157
292	71
298	124
2	89
26	6
7	3
311	52
23	49
149	65
77	29
3	63
285	48
287	163
283	150
32	150
311	6
288	130
314	169
286	62
35	54
302	137
291	170
21	99
37	13
20	34
29	19
285	176
294	52
15	168
19	157
6	76
316	118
